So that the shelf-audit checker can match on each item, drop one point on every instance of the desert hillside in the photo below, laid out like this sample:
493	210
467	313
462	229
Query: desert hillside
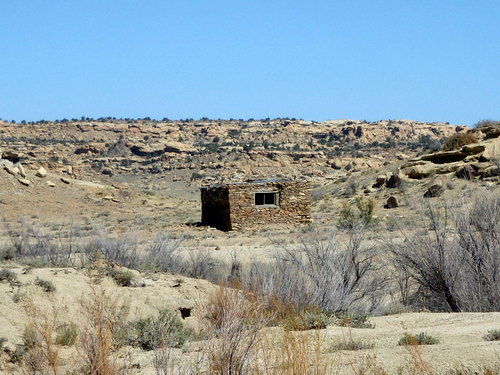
104	259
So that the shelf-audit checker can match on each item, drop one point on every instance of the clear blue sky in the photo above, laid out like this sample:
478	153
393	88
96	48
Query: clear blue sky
427	60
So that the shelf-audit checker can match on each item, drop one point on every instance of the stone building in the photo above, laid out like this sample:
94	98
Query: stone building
253	203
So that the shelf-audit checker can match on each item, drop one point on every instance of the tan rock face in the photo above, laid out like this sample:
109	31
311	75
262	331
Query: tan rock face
492	149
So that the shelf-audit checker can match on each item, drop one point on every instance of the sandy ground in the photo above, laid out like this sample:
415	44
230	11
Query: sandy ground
461	336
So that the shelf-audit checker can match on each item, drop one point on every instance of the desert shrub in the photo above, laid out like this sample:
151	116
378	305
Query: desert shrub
162	254
486	123
420	339
309	318
493	335
351	344
8	275
322	270
40	244
360	213
31	337
46	285
200	264
458	140
235	321
67	334
121	277
103	316
353	320
122	250
152	333
197	176
454	261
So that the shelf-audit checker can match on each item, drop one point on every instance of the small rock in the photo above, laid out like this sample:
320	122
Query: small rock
108	197
65	180
41	172
392	202
116	200
51	184
12	171
380	180
22	172
24	181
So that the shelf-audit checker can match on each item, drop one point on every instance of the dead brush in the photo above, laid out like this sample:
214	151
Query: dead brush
41	351
103	316
233	329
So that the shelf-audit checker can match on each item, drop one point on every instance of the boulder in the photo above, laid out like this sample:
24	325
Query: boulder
152	150
50	184
435	190
392	202
24	181
473	149
65	180
394	181
442	157
41	172
466	173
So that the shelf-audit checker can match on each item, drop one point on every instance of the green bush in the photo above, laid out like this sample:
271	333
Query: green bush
361	212
152	333
421	339
458	140
493	335
46	285
67	334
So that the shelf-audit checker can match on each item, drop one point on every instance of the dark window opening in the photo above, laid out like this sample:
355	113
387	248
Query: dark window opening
266	199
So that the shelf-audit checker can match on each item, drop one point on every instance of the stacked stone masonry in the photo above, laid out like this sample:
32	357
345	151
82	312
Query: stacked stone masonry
236	206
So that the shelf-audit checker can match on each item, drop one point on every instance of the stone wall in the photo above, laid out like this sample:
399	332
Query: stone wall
293	206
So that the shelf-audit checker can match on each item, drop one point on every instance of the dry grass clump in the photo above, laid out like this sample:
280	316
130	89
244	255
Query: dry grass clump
458	140
420	339
46	285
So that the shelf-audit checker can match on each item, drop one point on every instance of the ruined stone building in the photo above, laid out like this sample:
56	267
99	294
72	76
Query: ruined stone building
253	203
